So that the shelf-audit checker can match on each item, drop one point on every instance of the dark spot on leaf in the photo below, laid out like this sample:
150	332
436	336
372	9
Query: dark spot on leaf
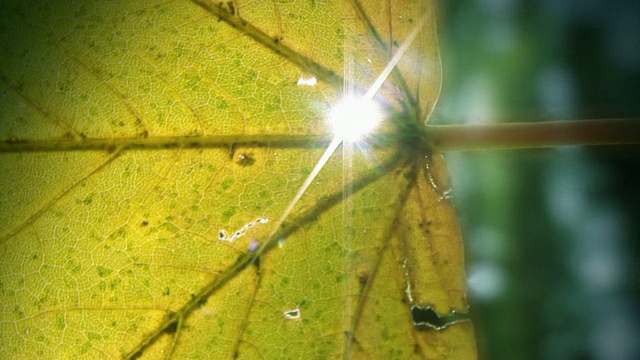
172	328
245	159
202	302
363	280
144	223
232	151
424	224
232	8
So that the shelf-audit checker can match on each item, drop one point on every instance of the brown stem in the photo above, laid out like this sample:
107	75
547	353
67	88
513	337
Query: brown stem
534	135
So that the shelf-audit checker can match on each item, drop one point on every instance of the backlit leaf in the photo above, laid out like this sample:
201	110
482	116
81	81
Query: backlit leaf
148	149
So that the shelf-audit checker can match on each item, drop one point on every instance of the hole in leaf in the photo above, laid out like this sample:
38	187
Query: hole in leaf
428	317
292	314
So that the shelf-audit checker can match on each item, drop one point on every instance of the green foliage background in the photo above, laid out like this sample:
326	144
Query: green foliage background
554	232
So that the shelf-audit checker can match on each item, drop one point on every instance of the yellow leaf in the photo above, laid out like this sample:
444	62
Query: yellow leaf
148	149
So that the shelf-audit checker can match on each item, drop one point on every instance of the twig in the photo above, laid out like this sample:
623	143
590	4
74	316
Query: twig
534	135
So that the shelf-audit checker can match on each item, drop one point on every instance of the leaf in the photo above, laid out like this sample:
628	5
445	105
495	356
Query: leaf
149	147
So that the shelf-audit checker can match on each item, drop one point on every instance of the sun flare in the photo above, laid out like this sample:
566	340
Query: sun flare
354	118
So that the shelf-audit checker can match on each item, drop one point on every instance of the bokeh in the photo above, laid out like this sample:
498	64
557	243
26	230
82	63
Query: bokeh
552	235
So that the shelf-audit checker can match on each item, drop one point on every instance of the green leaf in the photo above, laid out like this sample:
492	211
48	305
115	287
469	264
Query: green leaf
148	149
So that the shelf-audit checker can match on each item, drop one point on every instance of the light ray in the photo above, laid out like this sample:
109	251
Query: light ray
394	61
323	160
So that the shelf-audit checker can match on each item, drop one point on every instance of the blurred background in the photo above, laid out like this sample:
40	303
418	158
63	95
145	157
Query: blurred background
552	235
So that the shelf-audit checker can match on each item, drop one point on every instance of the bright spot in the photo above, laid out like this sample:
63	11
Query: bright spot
354	118
254	245
486	281
309	82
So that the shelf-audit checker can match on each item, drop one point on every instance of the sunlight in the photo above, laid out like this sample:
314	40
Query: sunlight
354	118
